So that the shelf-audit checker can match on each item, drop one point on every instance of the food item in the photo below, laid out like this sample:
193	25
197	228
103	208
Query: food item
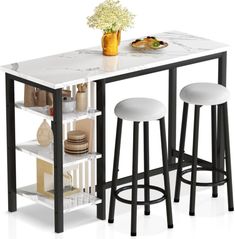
149	42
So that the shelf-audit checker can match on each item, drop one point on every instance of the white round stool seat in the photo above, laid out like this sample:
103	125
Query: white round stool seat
204	94
140	109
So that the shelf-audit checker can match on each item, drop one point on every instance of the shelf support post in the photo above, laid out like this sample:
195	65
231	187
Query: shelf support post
58	162
11	154
222	66
172	114
101	171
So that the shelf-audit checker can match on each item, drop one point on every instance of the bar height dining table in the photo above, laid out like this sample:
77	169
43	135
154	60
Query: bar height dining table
53	73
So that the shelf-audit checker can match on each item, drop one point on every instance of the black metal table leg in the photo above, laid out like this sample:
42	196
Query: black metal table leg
181	152
134	178
115	170
100	94
11	155
58	162
228	159
194	163
172	114
166	174
214	150
222	65
146	168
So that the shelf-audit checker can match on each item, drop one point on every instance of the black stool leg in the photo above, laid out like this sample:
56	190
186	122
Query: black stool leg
166	174
214	150
134	178
115	170
228	159
181	152
146	168
194	163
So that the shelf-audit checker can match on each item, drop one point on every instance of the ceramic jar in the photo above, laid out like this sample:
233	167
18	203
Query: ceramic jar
110	43
81	101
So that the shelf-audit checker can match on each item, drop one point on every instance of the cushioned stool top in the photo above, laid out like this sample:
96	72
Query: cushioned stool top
140	109
204	94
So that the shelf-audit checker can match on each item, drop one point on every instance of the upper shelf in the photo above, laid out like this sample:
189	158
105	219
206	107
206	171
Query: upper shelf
67	117
86	65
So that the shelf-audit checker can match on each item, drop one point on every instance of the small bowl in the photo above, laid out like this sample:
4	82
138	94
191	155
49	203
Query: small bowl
68	104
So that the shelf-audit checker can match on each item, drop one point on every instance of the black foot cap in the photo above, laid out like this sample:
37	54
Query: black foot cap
146	213
110	220
176	200
192	213
170	226
133	234
215	195
231	209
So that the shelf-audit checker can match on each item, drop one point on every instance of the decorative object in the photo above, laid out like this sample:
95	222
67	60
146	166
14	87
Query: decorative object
81	98
41	97
76	142
29	96
68	104
37	97
49	99
44	134
110	42
149	42
45	180
111	18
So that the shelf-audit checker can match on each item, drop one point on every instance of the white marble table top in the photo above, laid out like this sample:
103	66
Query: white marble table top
87	65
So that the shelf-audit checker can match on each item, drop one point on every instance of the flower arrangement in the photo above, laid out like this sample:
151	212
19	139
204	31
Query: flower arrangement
110	17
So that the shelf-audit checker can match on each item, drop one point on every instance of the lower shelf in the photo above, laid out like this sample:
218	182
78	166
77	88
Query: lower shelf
71	203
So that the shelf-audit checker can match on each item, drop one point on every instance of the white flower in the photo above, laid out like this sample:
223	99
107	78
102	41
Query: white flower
110	16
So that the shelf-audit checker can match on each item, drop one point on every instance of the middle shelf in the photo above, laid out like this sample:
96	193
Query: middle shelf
47	154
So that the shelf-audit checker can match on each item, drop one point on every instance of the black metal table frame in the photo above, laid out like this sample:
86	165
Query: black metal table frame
102	184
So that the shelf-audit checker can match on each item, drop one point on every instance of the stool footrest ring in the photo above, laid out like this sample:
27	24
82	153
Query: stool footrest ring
204	184
160	199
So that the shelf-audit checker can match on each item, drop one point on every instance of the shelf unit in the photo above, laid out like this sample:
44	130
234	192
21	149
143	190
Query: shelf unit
83	165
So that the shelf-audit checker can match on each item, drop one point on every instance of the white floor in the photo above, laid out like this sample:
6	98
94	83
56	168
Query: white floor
212	219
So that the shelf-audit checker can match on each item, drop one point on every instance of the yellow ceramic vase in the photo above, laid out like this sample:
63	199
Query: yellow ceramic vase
110	42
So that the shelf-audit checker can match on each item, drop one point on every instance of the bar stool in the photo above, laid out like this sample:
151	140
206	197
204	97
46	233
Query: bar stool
140	110
214	95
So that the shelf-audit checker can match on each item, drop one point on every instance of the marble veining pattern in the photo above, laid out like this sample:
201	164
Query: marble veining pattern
86	65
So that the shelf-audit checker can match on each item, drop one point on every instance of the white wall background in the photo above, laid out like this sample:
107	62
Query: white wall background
32	29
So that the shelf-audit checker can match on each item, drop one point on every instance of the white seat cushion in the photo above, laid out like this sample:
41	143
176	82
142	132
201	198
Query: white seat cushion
204	94
140	109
